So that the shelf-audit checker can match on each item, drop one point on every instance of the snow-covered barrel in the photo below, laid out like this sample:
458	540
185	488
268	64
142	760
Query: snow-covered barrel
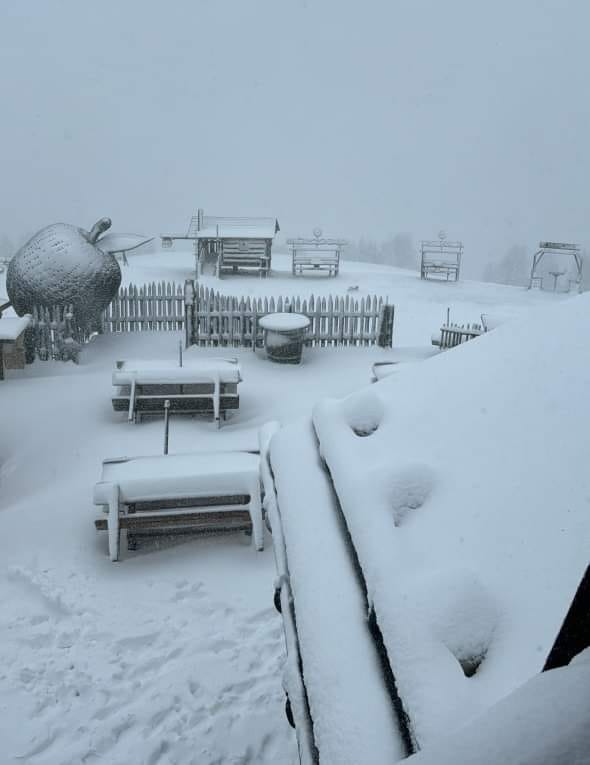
284	334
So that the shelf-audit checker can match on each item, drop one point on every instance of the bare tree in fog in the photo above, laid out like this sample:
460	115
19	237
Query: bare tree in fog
397	251
513	268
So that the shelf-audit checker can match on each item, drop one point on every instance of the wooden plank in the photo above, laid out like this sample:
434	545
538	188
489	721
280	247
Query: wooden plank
198	521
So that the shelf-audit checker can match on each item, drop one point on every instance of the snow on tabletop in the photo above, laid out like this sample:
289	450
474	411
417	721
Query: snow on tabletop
284	321
192	370
465	488
180	475
352	715
544	722
11	328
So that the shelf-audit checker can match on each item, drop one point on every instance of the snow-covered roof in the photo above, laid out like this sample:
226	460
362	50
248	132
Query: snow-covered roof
12	327
238	228
464	487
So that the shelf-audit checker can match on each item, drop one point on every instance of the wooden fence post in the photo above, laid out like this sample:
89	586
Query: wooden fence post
386	327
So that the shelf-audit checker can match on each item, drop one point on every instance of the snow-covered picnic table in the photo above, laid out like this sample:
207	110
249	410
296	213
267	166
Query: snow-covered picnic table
192	492
207	385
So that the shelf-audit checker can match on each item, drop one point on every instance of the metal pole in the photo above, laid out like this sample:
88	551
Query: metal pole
180	351
166	424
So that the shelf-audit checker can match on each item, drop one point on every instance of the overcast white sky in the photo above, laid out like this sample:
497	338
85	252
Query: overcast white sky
371	117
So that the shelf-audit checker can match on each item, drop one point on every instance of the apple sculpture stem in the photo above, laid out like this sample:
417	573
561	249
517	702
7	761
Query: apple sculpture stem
98	229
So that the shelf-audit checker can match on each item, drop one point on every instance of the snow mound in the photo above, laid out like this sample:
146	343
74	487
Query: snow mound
409	489
364	414
480	456
460	612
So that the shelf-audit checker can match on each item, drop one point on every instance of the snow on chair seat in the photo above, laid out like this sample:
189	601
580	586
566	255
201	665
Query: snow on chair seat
210	385
180	493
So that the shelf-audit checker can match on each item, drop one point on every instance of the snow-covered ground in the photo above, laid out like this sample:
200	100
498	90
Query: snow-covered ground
173	655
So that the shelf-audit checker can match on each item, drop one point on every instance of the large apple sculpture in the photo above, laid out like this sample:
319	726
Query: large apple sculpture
64	265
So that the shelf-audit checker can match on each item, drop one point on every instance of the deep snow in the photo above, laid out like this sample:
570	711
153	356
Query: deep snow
175	654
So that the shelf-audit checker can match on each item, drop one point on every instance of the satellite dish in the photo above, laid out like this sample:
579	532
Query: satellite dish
317	232
442	235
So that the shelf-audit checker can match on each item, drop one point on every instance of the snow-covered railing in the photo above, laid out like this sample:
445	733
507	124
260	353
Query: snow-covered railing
226	320
452	335
54	335
151	307
215	319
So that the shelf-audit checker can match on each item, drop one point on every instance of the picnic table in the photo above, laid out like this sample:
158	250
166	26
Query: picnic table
207	385
180	493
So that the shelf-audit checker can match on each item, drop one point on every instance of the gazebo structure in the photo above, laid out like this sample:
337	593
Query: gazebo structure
441	259
552	262
229	244
316	254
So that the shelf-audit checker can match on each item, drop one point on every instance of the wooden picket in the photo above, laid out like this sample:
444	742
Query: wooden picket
156	306
452	335
216	320
54	335
224	320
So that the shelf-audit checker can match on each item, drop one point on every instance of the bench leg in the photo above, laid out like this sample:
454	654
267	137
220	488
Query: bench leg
131	412
216	400
113	523
256	517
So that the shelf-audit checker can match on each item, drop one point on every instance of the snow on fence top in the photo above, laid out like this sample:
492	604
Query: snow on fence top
216	319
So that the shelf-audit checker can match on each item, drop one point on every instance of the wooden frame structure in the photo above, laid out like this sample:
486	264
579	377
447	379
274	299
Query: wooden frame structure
441	259
229	245
316	254
563	250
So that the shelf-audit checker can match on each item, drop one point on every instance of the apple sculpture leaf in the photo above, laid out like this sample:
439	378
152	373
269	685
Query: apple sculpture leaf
64	265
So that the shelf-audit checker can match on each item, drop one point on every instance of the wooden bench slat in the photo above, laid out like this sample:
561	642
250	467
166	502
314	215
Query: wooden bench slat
164	504
184	403
230	519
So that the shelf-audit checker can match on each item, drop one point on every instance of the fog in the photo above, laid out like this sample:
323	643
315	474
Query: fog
373	119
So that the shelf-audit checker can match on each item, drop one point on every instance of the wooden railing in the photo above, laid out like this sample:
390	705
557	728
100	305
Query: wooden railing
209	318
158	306
215	319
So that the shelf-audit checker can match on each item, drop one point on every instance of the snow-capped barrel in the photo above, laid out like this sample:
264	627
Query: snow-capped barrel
284	334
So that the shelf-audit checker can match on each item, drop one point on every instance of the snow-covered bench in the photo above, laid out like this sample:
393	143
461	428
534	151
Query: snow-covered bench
210	385
180	493
316	260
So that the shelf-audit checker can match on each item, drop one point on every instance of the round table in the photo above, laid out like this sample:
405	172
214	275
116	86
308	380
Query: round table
284	334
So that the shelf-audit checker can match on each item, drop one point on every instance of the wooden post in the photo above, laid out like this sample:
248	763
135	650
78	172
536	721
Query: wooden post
113	523
166	424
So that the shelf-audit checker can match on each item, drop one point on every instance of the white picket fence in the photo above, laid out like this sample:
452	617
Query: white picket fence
452	335
224	320
158	306
54	335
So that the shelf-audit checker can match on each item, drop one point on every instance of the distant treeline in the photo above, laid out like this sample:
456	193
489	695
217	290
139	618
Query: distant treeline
398	250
